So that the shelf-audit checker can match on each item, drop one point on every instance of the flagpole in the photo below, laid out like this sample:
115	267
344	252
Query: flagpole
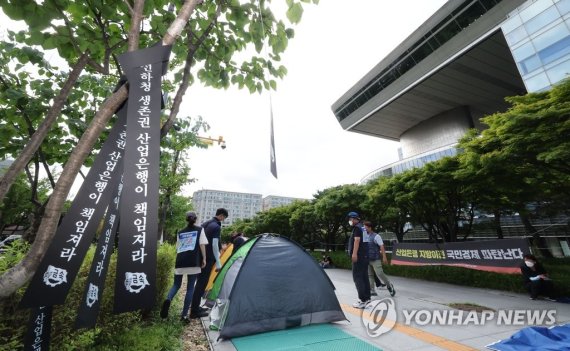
272	158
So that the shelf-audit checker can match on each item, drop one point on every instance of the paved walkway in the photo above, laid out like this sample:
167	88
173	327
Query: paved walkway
430	297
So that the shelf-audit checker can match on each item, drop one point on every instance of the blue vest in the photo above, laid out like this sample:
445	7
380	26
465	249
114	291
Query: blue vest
373	249
188	247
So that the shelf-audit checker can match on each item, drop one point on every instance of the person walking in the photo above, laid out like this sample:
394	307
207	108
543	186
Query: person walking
190	259
377	257
212	228
358	250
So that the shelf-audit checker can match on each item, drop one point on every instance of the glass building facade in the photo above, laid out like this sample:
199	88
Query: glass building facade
538	34
404	165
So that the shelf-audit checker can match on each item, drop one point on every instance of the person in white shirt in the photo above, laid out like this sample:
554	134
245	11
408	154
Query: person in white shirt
190	259
377	256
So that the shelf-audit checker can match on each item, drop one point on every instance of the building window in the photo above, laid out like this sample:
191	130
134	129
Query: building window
563	6
537	82
543	19
516	35
555	51
559	72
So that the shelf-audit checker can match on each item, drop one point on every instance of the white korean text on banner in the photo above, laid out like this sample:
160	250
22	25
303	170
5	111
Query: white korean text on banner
136	263
56	273
89	307
39	329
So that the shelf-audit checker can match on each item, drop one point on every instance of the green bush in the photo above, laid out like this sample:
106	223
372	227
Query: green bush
110	327
13	322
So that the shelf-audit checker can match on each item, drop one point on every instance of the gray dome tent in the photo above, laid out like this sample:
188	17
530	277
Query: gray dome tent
271	283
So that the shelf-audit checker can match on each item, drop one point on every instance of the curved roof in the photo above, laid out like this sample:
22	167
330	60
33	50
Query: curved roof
458	57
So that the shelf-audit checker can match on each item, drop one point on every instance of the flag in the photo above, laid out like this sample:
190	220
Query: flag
272	147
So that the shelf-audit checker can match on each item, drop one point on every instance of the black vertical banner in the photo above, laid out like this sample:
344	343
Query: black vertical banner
60	265
39	329
272	147
89	308
136	264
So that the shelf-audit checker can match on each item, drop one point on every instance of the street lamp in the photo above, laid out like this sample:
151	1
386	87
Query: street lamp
211	141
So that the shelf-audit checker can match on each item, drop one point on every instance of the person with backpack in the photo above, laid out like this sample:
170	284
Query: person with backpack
190	260
213	229
377	256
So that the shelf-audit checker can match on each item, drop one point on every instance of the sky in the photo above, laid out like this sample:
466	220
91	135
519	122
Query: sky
336	44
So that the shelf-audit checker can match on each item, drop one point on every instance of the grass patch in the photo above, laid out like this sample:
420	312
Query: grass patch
156	335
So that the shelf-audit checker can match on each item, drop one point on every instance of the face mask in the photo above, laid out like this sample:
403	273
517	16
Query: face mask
529	264
350	223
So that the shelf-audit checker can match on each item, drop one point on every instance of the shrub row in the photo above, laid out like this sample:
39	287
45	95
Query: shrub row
558	268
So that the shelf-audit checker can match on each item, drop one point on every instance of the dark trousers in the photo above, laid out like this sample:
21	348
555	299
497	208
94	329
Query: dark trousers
360	277
191	279
540	287
377	281
200	287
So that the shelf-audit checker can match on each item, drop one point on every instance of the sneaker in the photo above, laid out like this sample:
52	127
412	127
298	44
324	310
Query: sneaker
203	309
391	289
360	304
164	309
550	299
373	293
533	298
185	319
199	314
381	286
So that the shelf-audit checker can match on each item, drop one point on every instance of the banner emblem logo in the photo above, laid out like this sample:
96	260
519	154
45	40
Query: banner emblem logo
55	276
135	282
92	295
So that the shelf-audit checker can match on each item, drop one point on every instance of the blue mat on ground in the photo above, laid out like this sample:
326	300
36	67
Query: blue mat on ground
314	337
555	338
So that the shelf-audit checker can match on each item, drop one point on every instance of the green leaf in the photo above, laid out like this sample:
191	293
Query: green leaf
294	13
49	43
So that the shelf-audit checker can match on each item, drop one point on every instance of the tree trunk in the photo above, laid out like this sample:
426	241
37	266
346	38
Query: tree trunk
18	275
497	214
36	140
536	237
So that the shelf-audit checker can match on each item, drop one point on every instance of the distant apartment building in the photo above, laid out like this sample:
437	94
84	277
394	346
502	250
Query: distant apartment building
239	205
272	201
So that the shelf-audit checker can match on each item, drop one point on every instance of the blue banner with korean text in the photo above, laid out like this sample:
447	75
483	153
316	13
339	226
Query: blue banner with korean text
501	256
136	263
